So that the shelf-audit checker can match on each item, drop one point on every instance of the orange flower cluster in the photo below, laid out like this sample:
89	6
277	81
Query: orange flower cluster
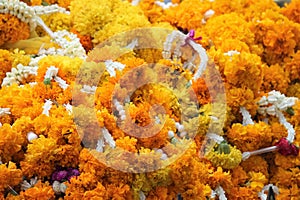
12	29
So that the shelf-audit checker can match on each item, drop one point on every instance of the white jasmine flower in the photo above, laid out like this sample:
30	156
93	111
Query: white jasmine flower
111	66
231	53
47	106
4	111
26	185
51	72
62	83
89	89
246	116
69	108
31	136
108	138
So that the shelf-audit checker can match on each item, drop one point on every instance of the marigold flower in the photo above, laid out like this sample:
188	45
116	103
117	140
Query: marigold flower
187	15
225	160
274	78
250	137
10	142
6	63
278	35
257	180
9	176
12	29
291	11
40	157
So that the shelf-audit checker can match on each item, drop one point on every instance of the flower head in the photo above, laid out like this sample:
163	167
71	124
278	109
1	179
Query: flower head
286	148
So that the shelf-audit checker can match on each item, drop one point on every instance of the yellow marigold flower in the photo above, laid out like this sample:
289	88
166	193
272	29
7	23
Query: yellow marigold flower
291	11
250	137
9	176
57	21
20	57
6	63
225	160
12	29
257	180
112	16
89	16
274	79
39	191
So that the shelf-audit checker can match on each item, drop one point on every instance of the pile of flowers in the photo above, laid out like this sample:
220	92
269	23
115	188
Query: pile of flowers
149	99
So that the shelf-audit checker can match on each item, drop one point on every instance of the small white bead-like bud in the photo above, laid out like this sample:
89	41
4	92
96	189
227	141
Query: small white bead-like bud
31	136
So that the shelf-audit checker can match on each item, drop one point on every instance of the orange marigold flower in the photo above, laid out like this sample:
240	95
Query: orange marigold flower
78	186
250	137
292	66
41	190
6	63
10	142
159	193
278	35
292	10
89	163
293	90
187	15
274	78
40	157
244	70
237	97
12	29
239	176
9	176
85	40
127	143
229	26
256	164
